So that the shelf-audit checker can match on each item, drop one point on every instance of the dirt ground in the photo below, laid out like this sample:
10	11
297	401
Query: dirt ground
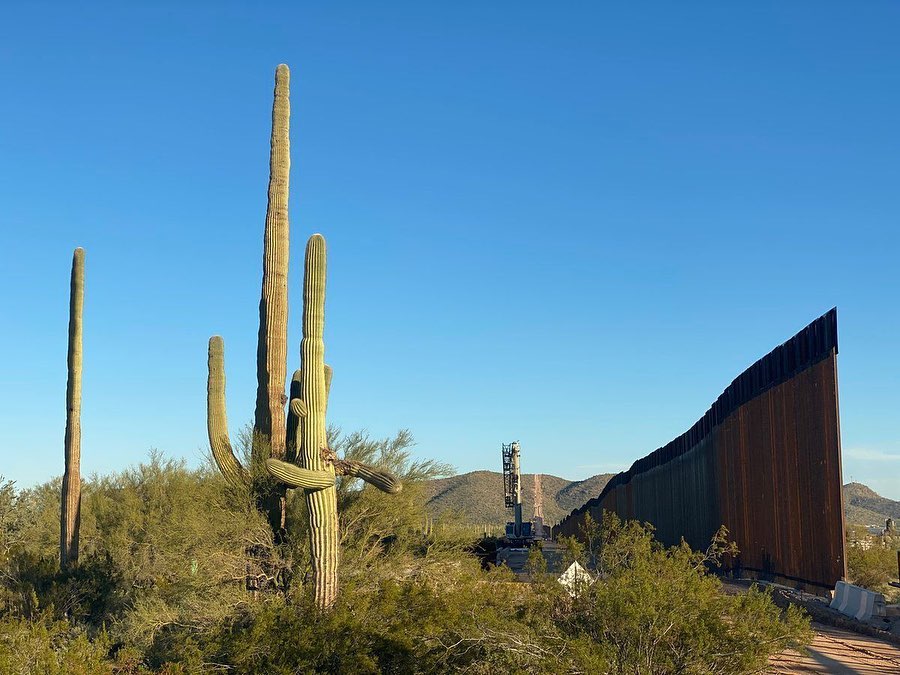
841	652
835	649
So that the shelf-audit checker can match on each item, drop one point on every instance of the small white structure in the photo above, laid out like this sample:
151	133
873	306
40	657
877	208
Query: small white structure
575	578
857	602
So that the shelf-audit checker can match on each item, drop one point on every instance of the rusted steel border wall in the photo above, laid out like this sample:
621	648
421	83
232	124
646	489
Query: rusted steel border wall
765	461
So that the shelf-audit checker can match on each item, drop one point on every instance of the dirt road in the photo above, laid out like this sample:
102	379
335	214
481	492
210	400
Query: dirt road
840	652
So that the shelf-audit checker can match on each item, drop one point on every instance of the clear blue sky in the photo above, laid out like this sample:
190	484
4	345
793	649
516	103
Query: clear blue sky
569	224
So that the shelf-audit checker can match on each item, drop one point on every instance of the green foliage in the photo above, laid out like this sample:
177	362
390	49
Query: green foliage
463	620
87	591
536	564
12	518
160	544
45	646
658	610
161	587
875	566
572	550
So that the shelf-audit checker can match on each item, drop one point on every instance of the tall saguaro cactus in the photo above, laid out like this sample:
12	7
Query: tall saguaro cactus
317	463
271	362
271	352
70	510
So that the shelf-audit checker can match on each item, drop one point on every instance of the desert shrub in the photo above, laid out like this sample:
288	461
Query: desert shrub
89	592
660	610
167	551
46	646
873	567
655	610
160	544
461	620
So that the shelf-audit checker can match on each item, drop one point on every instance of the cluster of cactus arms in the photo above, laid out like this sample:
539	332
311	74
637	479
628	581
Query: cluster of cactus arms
297	450
70	511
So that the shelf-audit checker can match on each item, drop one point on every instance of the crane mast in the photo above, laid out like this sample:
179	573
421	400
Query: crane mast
512	485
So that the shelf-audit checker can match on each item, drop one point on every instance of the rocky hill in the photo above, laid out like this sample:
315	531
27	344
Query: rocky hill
864	506
477	498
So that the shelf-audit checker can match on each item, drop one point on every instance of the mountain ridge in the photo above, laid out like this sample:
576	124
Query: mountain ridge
476	498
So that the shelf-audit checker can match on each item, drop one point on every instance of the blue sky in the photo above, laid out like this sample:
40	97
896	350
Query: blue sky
569	224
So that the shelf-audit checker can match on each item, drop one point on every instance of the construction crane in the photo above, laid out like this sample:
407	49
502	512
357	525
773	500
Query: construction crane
512	550
512	487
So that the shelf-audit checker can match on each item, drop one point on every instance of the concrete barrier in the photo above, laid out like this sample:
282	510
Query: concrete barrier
857	602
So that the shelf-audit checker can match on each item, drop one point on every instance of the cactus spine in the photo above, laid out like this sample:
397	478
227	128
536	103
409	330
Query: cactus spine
271	362
70	510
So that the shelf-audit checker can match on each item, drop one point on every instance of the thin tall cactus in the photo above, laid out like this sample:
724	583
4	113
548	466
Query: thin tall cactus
70	510
271	359
268	437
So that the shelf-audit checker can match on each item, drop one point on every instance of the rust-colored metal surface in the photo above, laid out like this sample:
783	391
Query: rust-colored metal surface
765	461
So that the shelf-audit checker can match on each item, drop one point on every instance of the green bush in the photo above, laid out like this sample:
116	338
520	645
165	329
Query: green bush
659	610
873	567
45	646
168	552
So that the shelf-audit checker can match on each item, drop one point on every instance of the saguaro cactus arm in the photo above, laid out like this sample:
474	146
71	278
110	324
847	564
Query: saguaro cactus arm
217	419
297	477
70	511
383	480
273	308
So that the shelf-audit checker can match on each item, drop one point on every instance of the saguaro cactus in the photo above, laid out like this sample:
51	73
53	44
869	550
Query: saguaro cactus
302	438
273	309
271	352
317	462
70	511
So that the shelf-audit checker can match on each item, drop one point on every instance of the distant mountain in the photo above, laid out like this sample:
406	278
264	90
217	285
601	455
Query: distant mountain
477	498
863	506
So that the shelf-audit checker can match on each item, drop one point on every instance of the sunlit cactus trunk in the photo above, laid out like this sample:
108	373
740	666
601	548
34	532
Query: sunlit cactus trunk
70	511
313	451
217	416
271	362
271	365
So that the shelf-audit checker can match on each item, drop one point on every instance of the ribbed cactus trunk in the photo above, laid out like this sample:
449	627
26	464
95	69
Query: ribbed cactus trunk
70	511
271	361
321	504
217	416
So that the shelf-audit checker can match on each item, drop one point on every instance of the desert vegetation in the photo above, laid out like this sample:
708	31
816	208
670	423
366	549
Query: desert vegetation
164	586
872	561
